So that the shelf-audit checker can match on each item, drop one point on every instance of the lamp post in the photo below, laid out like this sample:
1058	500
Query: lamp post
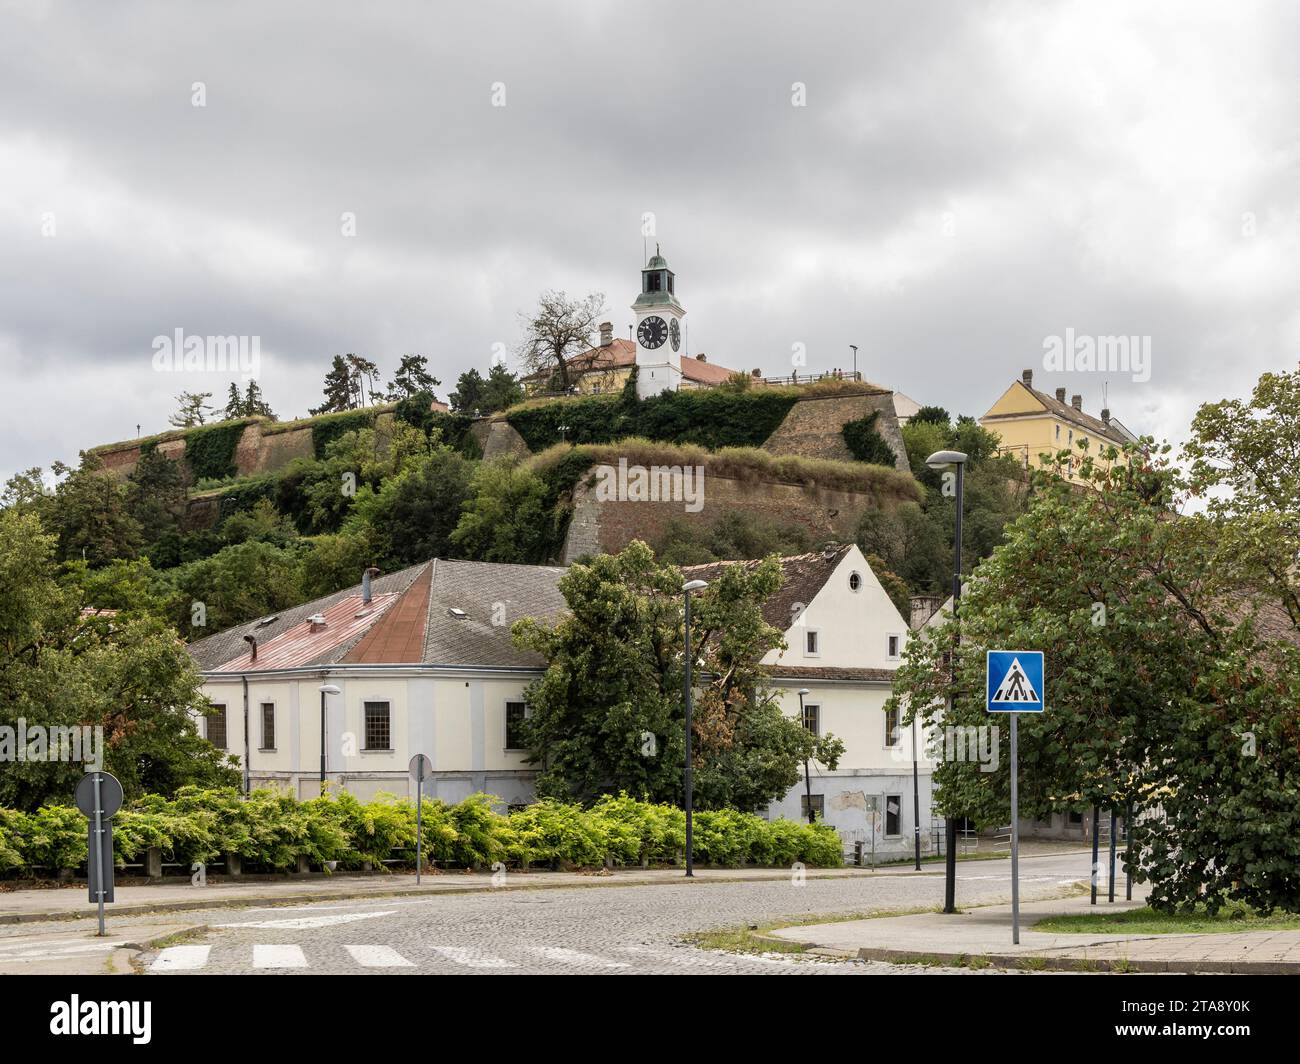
937	461
687	588
325	689
916	799
807	780
854	348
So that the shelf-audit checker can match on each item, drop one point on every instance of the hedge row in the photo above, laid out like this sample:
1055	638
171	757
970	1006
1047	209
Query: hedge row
270	829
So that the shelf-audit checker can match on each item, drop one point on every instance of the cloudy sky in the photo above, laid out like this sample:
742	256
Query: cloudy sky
946	185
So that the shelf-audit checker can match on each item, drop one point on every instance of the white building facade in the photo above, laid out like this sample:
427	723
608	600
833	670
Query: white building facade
423	663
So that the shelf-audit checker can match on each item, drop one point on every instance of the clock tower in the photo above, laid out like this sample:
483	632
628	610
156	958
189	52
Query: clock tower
658	330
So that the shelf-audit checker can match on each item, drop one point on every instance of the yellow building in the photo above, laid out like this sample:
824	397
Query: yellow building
1030	423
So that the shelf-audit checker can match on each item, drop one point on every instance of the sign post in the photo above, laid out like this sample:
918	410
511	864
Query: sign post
1014	685
99	796
420	767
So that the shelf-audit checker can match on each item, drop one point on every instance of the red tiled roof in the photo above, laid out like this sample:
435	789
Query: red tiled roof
300	645
397	638
622	353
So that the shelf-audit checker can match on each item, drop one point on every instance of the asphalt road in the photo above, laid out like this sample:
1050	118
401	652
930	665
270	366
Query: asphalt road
598	930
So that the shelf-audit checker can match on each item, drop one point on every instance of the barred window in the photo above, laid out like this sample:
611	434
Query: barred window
268	725
217	727
378	730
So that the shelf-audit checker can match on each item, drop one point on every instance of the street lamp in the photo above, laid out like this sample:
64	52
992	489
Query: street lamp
854	348
807	780
937	461
687	588
325	689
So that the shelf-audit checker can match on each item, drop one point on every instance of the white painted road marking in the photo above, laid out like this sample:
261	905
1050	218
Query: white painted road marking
472	958
278	957
378	957
181	959
306	923
573	956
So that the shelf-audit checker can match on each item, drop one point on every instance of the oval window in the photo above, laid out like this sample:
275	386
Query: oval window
855	581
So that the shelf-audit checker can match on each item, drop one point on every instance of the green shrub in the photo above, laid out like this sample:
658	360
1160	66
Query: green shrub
329	427
272	829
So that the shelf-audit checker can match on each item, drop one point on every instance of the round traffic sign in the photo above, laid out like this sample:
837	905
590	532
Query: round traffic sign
110	793
421	768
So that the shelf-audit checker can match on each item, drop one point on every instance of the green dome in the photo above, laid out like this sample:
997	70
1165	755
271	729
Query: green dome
657	262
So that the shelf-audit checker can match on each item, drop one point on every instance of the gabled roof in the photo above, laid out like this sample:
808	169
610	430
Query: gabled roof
450	613
1066	412
802	577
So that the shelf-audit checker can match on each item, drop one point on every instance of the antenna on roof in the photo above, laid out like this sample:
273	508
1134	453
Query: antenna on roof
1104	386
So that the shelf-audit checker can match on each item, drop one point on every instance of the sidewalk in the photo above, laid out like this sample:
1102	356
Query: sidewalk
985	933
71	902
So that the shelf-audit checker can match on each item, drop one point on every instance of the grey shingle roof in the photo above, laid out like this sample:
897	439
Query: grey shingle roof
477	588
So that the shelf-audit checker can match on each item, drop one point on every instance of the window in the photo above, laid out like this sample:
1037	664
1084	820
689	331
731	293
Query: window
1058	433
1075	818
855	581
516	714
268	725
818	806
378	729
812	719
812	644
217	727
893	814
891	727
892	645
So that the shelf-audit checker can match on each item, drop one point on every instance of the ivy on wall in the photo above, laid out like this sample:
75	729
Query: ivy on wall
865	443
714	418
210	450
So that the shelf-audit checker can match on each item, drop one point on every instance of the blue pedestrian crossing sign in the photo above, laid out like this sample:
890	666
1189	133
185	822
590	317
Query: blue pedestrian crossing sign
1015	681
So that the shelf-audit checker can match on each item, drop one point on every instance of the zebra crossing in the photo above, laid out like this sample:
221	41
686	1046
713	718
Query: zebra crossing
286	957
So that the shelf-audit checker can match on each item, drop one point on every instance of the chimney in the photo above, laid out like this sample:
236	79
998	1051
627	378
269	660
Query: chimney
1060	395
1076	401
606	333
365	585
317	621
923	608
251	640
1105	416
830	550
1027	377
700	357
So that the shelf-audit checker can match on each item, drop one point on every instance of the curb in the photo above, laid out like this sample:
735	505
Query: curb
1042	962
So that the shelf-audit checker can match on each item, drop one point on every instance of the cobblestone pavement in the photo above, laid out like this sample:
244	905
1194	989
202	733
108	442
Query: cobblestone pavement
612	930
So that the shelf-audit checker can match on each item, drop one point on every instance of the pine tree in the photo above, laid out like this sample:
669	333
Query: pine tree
255	403
194	410
338	388
411	378
234	404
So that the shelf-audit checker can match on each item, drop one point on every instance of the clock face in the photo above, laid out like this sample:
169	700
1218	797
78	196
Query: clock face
653	332
675	335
